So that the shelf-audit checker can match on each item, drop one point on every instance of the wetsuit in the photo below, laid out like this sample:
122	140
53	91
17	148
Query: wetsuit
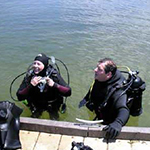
50	99
9	126
115	109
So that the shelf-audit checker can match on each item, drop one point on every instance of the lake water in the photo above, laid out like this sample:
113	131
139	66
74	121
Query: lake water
79	33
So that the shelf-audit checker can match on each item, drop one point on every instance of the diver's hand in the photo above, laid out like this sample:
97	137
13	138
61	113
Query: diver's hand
112	130
35	80
82	103
49	81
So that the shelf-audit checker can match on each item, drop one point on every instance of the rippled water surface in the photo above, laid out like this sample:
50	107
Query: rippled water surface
79	33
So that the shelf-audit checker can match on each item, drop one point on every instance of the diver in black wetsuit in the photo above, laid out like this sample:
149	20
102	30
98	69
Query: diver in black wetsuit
43	88
104	98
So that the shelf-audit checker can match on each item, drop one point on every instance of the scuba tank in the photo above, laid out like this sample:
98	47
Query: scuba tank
134	94
9	125
134	87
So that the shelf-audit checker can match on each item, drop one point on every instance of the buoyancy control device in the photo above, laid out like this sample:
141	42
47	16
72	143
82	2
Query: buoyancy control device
134	94
9	126
133	86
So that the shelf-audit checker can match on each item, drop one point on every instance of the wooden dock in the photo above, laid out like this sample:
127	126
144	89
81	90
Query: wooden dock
37	134
46	141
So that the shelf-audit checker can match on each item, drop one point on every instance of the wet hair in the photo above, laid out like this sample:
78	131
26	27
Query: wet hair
109	65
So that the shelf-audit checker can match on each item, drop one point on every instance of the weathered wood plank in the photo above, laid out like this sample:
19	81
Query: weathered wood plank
96	143
48	142
50	126
66	141
135	133
28	139
74	129
140	145
119	145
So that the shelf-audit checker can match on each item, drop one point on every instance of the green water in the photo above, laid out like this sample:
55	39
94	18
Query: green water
79	33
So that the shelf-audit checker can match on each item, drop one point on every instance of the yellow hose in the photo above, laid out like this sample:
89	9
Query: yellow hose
125	68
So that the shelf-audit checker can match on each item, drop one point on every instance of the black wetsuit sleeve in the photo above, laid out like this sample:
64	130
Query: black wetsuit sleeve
122	110
62	87
23	90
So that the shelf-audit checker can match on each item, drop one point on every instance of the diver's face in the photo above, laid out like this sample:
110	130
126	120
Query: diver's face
37	66
100	74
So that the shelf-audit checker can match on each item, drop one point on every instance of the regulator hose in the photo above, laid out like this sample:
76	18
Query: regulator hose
11	85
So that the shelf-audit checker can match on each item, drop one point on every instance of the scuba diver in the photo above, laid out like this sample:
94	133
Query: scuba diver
43	88
113	98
